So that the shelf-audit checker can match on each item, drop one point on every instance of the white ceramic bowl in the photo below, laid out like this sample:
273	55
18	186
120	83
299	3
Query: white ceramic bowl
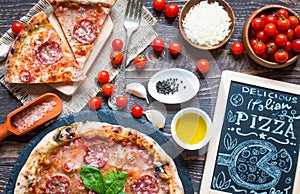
194	146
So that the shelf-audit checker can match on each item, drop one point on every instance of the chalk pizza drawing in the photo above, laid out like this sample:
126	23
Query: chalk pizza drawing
256	164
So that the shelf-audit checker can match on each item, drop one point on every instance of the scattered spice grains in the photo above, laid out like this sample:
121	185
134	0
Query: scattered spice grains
28	117
168	86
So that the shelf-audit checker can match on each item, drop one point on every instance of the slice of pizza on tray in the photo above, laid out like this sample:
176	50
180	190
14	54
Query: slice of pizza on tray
89	157
40	55
81	21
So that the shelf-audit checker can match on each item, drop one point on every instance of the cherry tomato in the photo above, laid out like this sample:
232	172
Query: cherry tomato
103	76
137	111
253	41
252	33
270	29
281	56
203	66
140	61
287	47
294	21
290	34
271	18
257	23
116	57
281	39
261	35
296	45
283	24
260	48
297	31
117	44
95	103
107	89
271	47
121	101
158	44
171	10
175	48
16	27
237	48
282	13
159	5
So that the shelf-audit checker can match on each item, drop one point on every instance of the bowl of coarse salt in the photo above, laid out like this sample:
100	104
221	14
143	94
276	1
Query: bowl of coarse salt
206	24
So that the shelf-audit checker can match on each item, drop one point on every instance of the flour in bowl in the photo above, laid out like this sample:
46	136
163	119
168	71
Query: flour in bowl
206	24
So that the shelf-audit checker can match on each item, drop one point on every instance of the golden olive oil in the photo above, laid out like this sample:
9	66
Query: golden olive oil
191	128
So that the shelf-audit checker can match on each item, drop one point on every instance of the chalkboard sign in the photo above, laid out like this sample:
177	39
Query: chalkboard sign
257	149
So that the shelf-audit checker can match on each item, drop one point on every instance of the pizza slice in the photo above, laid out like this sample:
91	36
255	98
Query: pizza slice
40	55
81	21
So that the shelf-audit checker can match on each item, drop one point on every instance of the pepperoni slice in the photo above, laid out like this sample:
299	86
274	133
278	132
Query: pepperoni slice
85	32
58	183
49	52
25	75
145	184
97	154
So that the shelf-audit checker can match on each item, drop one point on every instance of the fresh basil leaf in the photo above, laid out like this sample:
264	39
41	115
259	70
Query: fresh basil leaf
114	181
92	179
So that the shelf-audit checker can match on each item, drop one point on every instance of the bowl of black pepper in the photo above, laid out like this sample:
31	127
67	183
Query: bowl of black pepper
173	86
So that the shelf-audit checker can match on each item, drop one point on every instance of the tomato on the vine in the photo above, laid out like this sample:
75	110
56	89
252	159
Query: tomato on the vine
237	48
158	44
116	57
95	103
159	5
103	76
175	48
121	101
203	66
140	61
171	10
137	111
258	23
117	44
281	56
296	45
16	27
107	89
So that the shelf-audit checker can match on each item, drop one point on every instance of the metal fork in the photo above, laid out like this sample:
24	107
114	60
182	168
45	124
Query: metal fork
131	23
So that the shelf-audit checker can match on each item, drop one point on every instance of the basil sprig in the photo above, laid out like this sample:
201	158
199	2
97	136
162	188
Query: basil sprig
111	183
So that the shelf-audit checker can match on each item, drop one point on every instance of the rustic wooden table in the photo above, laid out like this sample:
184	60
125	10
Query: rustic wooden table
221	59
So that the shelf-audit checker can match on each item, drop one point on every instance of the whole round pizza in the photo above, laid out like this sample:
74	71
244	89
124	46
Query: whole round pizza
95	157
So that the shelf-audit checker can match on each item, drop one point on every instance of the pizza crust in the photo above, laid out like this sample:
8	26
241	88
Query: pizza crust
98	130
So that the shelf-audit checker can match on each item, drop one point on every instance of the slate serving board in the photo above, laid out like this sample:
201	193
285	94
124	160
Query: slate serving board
112	117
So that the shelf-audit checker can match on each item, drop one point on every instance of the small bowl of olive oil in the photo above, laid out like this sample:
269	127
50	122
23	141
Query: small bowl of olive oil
190	128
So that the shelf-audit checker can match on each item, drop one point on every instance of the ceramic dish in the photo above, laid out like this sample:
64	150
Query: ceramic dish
186	8
186	82
186	126
246	38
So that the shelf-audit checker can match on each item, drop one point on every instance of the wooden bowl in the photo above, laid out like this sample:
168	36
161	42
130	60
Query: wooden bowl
186	8
248	48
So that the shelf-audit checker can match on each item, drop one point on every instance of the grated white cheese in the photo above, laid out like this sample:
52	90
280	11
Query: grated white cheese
206	24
